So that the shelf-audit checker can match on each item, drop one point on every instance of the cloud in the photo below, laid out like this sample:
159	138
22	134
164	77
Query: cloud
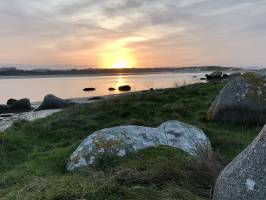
160	33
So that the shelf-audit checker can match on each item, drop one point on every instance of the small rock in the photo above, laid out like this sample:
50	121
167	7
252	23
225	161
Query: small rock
214	75
111	89
125	88
88	89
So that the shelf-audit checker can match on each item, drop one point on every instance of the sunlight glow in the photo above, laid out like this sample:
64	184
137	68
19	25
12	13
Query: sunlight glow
121	80
120	65
118	58
118	55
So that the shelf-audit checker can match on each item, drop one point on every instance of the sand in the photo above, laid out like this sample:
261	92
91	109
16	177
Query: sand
6	120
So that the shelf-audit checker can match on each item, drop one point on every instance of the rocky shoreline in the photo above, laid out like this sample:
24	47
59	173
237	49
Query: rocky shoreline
7	119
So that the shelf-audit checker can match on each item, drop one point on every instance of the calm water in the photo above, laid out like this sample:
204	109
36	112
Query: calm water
71	87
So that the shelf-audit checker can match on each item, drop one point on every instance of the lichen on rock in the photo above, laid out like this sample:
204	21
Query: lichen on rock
244	177
119	141
242	100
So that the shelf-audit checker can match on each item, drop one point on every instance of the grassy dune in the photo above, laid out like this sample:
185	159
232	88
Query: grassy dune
34	154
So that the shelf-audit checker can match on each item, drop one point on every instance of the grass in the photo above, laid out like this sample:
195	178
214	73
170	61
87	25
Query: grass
34	154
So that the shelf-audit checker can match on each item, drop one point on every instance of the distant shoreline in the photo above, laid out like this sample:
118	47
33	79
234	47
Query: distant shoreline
3	77
14	73
88	75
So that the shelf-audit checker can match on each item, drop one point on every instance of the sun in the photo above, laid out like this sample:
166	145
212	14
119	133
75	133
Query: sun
117	56
121	65
118	59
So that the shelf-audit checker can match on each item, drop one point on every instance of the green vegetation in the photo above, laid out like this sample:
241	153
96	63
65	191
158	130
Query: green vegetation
34	154
254	79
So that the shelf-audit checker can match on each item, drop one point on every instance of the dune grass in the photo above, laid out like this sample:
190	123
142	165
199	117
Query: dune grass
34	154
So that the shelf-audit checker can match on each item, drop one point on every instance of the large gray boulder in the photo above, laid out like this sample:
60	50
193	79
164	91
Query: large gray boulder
52	102
123	139
245	177
242	100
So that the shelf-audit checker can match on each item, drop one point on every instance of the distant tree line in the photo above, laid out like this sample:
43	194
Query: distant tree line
11	71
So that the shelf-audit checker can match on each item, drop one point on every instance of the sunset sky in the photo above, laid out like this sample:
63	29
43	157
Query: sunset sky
133	33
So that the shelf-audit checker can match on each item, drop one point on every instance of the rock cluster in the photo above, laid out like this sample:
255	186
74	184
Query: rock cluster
16	106
219	76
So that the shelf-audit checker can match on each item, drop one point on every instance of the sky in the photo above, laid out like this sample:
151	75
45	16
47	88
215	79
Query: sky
133	33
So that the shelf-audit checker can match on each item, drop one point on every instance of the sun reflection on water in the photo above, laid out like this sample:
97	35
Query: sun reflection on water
121	80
